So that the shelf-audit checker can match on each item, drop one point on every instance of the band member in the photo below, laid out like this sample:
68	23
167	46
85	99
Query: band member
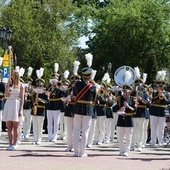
39	101
68	100
54	107
85	94
101	114
158	111
27	109
127	107
148	90
69	112
117	93
140	116
91	136
65	84
12	115
2	90
111	102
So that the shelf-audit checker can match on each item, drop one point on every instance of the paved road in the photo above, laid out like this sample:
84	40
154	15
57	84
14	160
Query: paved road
52	156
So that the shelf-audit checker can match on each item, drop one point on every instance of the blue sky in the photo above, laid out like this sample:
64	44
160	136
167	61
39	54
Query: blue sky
82	42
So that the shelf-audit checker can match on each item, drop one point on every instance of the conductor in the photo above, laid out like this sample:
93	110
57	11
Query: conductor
84	94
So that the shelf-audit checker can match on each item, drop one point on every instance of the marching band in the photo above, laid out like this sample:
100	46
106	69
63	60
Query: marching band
91	113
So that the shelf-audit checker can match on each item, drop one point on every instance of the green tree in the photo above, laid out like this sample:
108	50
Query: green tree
124	32
151	68
42	29
96	3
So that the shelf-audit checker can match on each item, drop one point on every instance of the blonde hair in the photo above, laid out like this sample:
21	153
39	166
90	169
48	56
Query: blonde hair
15	81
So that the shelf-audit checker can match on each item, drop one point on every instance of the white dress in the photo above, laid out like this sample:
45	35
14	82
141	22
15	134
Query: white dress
12	105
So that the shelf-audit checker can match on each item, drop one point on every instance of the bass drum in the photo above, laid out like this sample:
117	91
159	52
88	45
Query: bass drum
121	72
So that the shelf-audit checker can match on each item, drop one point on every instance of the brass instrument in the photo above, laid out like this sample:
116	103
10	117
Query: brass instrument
101	91
35	104
59	84
161	95
1	94
49	89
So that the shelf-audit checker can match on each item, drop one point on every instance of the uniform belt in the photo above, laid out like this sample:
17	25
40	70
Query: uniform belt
84	102
56	99
28	100
127	114
72	103
158	105
38	106
141	106
102	105
109	107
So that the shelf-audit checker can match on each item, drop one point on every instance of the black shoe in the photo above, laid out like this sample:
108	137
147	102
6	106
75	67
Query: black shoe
4	130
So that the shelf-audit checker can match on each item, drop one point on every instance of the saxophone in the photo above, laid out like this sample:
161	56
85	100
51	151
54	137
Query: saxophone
35	104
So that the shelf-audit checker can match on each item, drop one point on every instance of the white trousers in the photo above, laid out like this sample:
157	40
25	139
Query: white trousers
0	121
96	133
91	132
20	132
137	136
113	126
81	124
100	133
27	122
108	128
157	128
145	132
52	123
62	125
37	127
124	144
69	128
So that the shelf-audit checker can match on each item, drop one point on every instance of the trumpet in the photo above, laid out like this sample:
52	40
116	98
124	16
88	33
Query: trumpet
101	91
59	84
161	95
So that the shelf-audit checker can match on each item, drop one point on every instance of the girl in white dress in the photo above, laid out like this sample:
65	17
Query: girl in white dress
14	93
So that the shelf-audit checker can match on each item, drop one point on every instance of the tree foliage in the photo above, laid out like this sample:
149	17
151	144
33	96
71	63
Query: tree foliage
120	31
151	68
96	3
124	32
44	29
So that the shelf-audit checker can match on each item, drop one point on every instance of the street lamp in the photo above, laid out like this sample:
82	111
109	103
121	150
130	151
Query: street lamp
109	66
5	34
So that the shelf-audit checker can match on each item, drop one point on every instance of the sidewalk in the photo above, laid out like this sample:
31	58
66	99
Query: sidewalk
52	156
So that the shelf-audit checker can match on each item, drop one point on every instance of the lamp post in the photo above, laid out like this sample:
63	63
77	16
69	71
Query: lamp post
109	67
5	35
